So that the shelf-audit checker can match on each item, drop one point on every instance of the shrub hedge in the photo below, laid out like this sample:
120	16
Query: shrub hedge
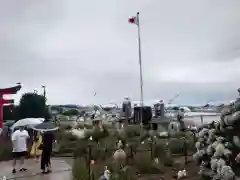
5	149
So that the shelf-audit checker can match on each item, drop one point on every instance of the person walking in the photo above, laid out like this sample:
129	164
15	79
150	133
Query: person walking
36	151
46	152
19	142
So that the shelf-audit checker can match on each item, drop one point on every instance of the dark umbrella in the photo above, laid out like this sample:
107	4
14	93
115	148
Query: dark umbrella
45	126
8	123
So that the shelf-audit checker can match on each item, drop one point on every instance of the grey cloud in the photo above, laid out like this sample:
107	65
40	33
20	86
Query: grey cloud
77	48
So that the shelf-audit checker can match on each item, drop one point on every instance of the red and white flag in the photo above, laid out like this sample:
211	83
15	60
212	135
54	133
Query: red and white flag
134	20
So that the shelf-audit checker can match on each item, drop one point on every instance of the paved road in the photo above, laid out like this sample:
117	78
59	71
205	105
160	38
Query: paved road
197	120
61	170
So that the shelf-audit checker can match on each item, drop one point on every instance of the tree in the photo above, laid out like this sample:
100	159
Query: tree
32	105
9	112
71	112
175	108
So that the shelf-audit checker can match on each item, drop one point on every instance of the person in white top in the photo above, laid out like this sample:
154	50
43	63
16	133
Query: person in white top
19	142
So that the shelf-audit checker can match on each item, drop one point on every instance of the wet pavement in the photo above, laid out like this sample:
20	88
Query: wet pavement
61	170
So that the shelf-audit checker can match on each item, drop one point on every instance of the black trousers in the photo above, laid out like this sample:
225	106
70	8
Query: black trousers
45	159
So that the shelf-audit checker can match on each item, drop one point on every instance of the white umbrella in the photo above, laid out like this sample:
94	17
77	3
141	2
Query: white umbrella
30	122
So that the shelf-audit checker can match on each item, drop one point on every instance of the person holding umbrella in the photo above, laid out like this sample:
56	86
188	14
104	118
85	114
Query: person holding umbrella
19	141
46	151
48	138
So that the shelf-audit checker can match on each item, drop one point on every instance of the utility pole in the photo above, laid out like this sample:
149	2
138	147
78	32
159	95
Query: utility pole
44	91
136	20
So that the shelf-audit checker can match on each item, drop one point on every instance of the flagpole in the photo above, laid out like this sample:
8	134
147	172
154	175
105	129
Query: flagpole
140	64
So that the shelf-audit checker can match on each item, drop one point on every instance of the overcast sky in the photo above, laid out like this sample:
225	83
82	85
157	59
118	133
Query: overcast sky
77	48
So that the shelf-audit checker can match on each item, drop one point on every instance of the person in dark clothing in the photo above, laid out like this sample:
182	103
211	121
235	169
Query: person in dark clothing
48	139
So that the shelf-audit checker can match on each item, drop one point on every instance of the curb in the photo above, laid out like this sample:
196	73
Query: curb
38	174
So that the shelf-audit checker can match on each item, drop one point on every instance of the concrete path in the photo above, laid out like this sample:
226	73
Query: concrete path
61	170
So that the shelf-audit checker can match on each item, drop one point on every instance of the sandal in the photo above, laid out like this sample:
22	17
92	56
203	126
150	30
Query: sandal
23	169
44	172
49	170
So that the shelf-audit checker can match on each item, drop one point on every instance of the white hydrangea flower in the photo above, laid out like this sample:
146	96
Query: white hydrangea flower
227	173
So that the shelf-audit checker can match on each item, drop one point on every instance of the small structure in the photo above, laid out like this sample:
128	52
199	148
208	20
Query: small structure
159	109
156	121
142	115
125	115
160	117
6	91
127	109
